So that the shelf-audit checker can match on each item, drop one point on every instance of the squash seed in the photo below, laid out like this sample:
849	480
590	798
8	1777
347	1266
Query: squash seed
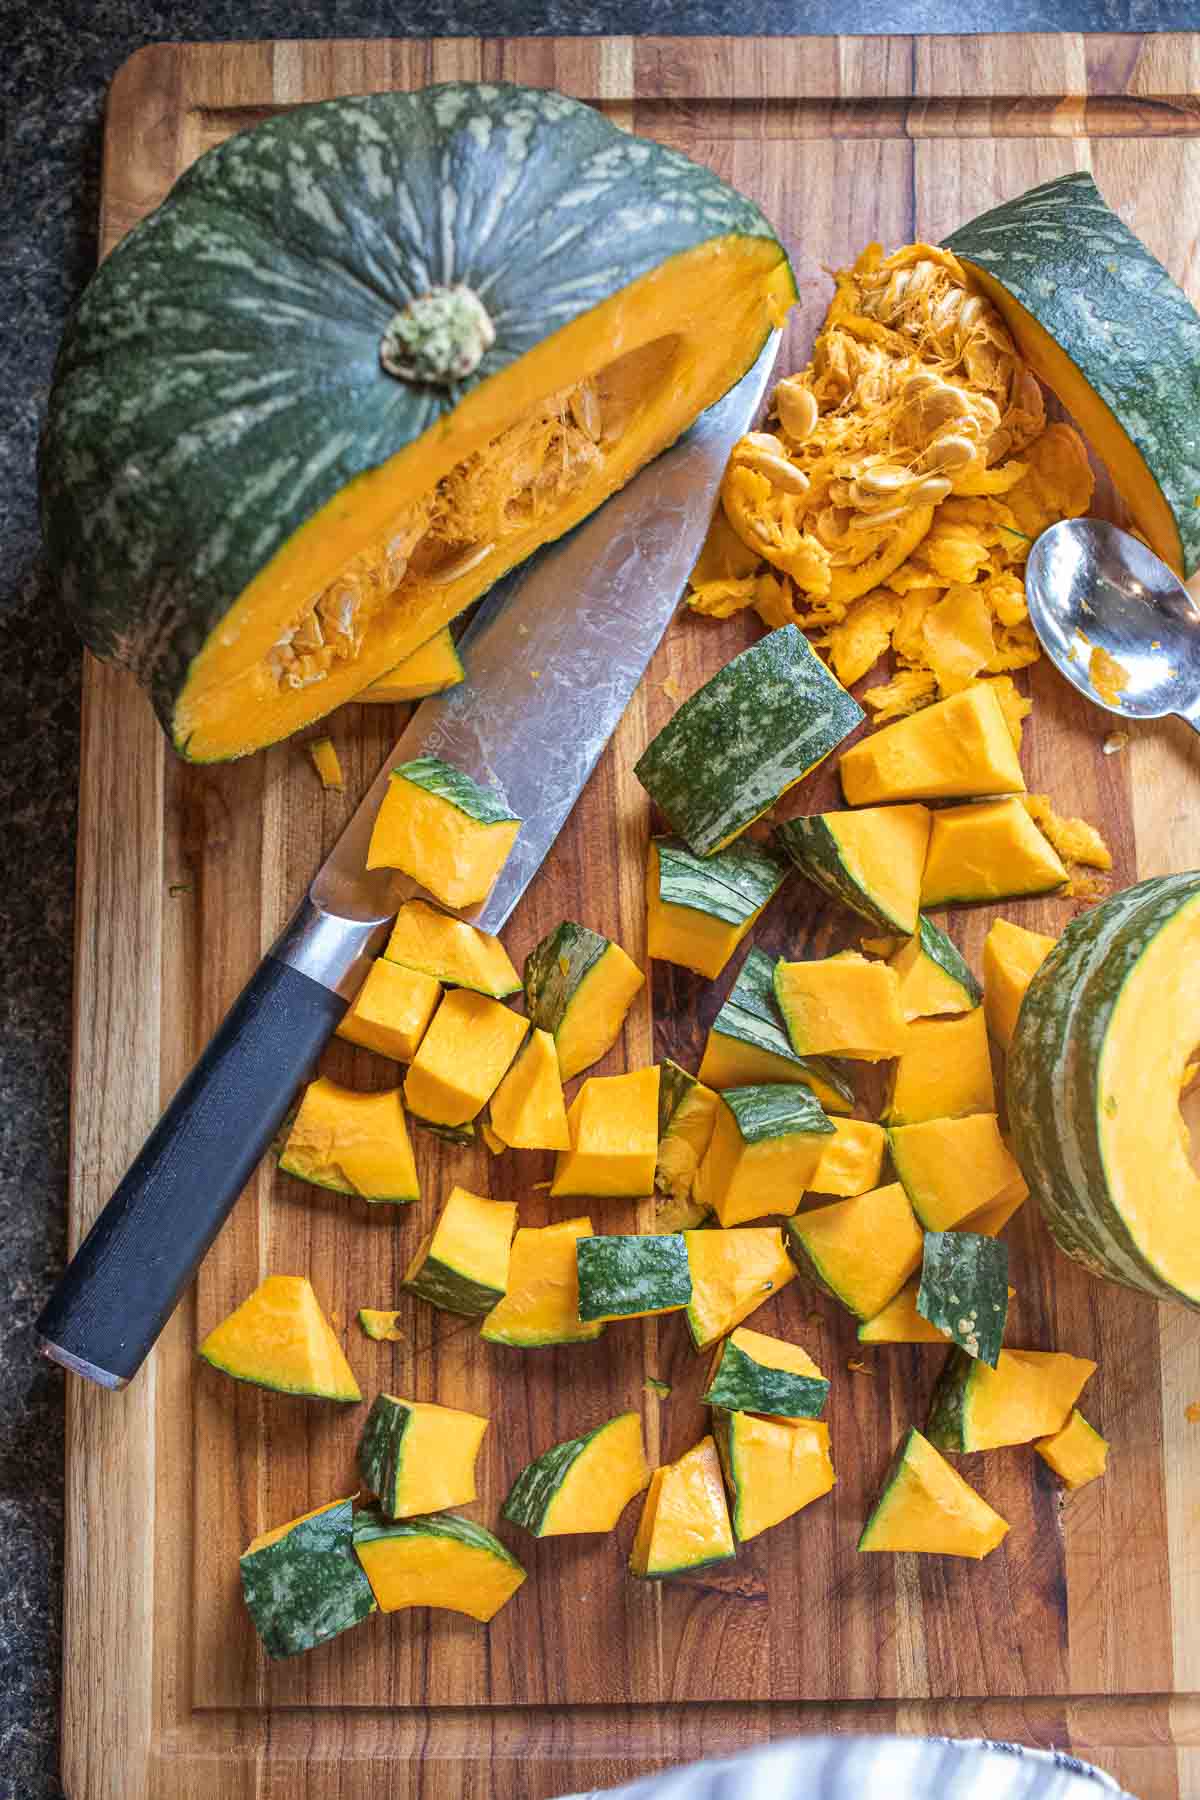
796	406
461	565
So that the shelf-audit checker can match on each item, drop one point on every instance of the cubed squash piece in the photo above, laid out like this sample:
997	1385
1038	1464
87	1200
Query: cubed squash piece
417	1458
954	749
1012	957
862	1250
842	1006
443	830
392	1010
579	986
1028	1395
699	908
944	1071
462	1265
353	1143
934	978
964	1290
766	1145
279	1338
687	1113
899	1322
925	1505
462	1058
1077	1453
953	1168
851	1160
991	850
541	1305
748	1044
871	861
754	1373
990	1222
438	1559
685	1519
451	951
613	1121
773	1467
431	669
528	1111
582	1485
733	1272
302	1582
632	1277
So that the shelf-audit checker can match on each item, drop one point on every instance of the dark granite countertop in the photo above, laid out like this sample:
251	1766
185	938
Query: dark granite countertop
53	78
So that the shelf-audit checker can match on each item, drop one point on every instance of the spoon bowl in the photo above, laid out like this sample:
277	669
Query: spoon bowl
1091	588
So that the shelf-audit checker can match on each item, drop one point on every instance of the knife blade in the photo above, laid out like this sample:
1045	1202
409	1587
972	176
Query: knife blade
553	656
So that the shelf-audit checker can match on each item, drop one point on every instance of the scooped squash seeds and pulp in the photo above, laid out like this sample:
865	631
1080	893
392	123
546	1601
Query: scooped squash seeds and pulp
887	509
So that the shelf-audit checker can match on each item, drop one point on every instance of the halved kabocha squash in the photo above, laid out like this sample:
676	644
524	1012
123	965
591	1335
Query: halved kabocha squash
279	1338
733	1272
451	951
934	978
392	1010
870	860
1077	1453
773	1467
925	1505
851	1160
462	1266
765	1148
613	1121
754	1373
354	1143
1029	1394
432	669
436	1559
634	1277
861	1251
685	1519
541	1305
747	1043
954	750
444	830
584	1484
302	1582
527	1110
417	1458
841	1005
462	1058
952	1169
261	519
1012	957
579	986
944	1071
699	908
991	850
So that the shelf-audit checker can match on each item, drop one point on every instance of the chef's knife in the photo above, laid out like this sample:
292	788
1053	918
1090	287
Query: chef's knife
553	656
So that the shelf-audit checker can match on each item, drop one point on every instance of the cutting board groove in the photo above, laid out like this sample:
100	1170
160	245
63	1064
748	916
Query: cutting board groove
1082	1631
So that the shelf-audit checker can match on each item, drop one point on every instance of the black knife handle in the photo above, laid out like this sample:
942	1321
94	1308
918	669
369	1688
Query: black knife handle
125	1279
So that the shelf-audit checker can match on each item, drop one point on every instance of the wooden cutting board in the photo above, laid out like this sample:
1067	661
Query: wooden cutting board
1084	1630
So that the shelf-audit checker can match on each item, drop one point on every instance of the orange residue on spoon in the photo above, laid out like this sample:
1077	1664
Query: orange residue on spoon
1109	677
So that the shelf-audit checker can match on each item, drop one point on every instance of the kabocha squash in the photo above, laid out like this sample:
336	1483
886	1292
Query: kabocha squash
451	951
685	1519
302	1582
382	1327
426	410
733	1272
760	725
613	1122
773	1467
542	1303
861	1251
851	1160
1103	1042
1077	1453
353	1143
1105	327
699	908
765	1148
925	1505
747	1043
279	1338
437	1559
1012	957
327	763
869	860
583	1485
579	986
842	1005
419	1458
444	830
899	1322
943	1072
934	978
462	1058
992	1220
687	1113
954	750
432	669
462	1266
988	851
632	1277
1029	1394
527	1110
964	1290
952	1169
754	1373
392	1010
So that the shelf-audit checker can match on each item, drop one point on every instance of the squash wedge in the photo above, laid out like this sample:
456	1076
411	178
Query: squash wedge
699	908
861	1251
353	1143
462	1265
765	1149
392	1010
579	986
685	1521
870	860
613	1121
773	1467
541	1305
441	828
584	1484
450	950
1077	1453
925	1505
279	1338
957	749
302	1582
418	1458
436	1559
733	1272
1012	957
462	1058
1029	1394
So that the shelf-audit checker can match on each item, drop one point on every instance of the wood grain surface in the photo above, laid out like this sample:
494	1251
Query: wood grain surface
1084	1630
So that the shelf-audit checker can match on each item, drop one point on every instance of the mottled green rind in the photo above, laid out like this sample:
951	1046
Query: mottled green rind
757	727
537	1486
942	951
812	844
1111	306
774	1110
307	1586
550	987
749	1014
486	806
381	1451
949	1426
963	1277
674	1084
370	1526
881	1505
344	1187
629	1275
1053	1085
452	1290
732	885
743	1385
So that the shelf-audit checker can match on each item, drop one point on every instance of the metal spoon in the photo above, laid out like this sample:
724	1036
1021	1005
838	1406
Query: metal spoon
1092	587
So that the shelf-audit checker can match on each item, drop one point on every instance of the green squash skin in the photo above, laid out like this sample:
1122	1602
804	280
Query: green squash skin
307	1586
536	1488
344	1187
965	1276
1053	1078
753	730
381	1451
556	969
942	951
740	1384
812	844
772	1110
220	380
674	1084
451	1290
749	1014
724	1436
732	885
630	1275
487	806
949	1426
370	1525
1063	253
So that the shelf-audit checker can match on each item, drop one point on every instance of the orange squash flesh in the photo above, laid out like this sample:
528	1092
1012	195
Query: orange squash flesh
279	1338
